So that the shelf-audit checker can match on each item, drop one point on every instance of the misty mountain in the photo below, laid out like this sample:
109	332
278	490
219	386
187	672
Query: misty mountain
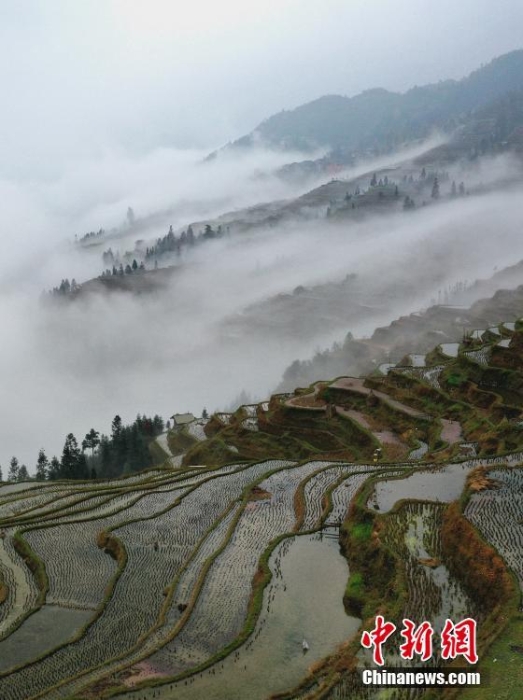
378	120
417	332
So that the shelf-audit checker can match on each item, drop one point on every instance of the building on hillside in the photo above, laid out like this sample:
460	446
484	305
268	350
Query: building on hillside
181	419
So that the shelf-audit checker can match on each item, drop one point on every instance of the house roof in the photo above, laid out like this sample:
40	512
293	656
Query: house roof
182	418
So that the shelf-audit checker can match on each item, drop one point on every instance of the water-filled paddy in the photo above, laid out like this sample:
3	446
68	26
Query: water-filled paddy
303	601
443	484
50	626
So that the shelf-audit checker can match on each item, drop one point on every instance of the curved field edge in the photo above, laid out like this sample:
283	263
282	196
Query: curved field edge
165	607
263	575
260	580
148	485
83	486
37	568
117	550
210	474
4	590
106	540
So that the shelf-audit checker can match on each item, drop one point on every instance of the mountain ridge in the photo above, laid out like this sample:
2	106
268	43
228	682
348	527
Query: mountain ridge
378	119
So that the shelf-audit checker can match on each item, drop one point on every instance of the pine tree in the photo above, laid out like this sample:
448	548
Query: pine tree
82	470
42	466
435	189
1	475
116	426
70	465
13	469
91	440
408	203
23	474
55	471
454	189
374	181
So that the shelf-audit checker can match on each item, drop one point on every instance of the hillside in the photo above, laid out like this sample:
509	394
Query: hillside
446	400
376	463
416	333
391	190
379	120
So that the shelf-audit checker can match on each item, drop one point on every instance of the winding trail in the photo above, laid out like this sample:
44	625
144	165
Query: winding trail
356	386
174	460
164	444
384	436
309	401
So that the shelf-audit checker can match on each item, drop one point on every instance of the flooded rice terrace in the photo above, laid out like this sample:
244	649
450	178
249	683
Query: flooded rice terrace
443	484
302	602
47	628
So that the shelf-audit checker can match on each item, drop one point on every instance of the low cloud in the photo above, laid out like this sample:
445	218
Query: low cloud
72	366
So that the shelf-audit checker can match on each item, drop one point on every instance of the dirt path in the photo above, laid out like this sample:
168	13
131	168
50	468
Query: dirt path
356	416
386	437
309	401
174	460
162	441
356	386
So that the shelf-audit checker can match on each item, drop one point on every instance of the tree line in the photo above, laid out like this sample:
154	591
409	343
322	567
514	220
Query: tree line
170	243
125	450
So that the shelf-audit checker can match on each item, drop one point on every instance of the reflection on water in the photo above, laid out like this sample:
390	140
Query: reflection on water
303	601
50	626
450	349
444	485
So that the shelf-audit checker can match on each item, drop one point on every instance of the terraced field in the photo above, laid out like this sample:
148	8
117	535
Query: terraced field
155	585
159	578
164	572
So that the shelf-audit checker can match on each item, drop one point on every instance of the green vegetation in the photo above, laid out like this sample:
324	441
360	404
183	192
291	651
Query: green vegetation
128	449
